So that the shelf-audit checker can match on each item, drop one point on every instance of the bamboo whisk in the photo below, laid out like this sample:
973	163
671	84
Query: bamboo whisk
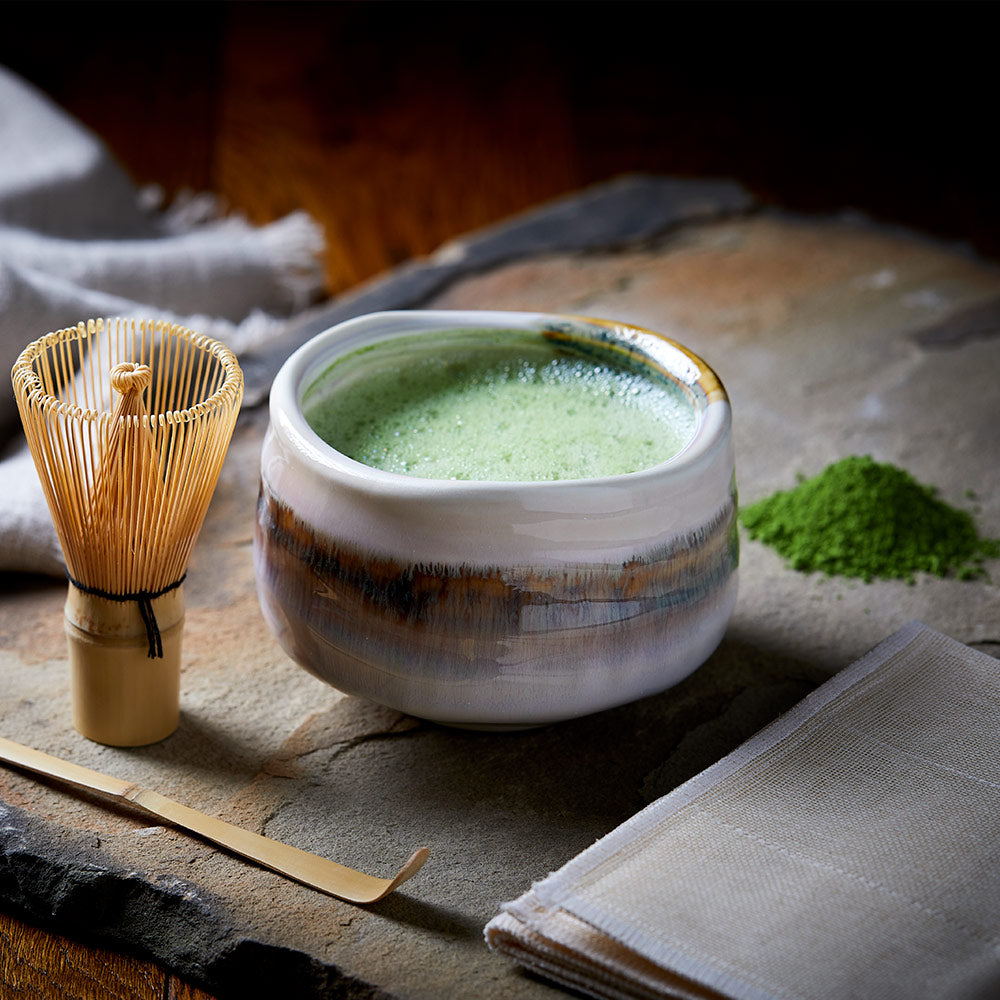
128	487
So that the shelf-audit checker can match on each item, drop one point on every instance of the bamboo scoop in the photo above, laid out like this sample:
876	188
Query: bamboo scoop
310	869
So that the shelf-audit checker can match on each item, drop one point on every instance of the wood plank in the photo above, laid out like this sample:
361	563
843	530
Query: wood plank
36	965
388	147
400	126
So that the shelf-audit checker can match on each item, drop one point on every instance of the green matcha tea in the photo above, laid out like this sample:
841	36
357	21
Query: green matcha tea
502	405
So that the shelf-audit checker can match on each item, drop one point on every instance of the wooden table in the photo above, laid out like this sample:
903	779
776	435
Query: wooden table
400	126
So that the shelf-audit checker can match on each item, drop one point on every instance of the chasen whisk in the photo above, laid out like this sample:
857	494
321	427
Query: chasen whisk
128	424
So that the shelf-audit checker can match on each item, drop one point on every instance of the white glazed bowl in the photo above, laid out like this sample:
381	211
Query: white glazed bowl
496	604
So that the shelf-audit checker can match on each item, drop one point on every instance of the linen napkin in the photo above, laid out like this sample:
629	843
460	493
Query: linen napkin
78	240
849	850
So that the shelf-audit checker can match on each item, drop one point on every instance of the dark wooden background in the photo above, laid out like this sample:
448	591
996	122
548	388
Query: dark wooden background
401	125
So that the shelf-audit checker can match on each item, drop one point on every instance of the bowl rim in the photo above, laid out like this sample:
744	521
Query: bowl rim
301	368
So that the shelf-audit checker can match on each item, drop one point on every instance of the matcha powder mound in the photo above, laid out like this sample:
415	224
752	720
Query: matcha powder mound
864	519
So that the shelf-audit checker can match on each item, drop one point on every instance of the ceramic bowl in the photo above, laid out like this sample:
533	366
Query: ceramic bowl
496	604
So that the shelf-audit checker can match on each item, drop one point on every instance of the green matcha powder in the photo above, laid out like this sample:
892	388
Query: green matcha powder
861	518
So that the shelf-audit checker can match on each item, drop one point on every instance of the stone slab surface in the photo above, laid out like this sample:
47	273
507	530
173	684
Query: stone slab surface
833	337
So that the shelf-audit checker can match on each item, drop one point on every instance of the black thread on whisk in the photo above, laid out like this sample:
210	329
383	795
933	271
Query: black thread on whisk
144	598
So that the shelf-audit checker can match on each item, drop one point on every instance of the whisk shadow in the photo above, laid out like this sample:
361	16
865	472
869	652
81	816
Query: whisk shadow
200	746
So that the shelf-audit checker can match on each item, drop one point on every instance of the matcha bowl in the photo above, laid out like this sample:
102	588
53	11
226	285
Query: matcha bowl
507	600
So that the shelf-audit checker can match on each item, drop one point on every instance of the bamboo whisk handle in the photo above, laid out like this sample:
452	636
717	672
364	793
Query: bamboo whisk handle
123	696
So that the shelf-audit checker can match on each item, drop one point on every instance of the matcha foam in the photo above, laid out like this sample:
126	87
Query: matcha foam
496	405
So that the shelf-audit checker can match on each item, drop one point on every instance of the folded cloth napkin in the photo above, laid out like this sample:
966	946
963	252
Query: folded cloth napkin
849	850
79	241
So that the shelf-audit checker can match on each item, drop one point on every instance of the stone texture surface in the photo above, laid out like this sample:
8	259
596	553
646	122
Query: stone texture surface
832	337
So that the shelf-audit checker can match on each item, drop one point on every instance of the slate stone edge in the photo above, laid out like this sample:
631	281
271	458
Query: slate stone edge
54	878
624	212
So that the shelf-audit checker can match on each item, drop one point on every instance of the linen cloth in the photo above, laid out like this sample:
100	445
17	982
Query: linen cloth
78	241
849	850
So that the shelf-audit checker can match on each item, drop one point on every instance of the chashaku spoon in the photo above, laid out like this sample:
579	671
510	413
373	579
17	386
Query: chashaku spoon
310	869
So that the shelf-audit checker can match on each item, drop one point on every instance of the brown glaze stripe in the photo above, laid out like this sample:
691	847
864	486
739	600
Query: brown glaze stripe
675	576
